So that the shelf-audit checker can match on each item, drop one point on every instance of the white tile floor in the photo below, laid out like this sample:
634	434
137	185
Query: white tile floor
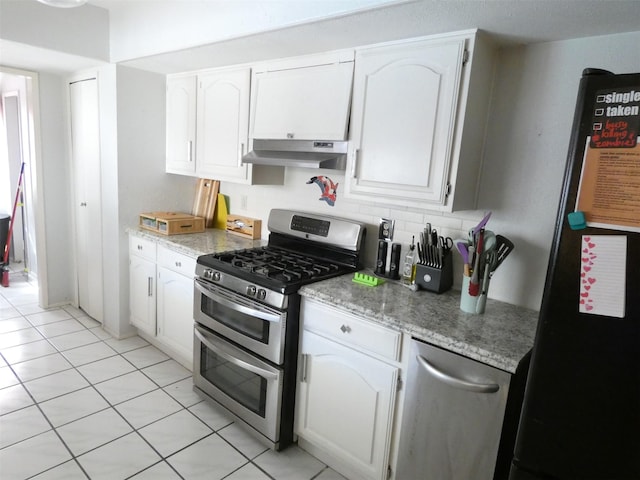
76	403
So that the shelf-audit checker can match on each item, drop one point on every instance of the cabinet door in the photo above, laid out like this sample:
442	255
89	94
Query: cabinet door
404	110
142	294
310	103
175	312
345	404
181	124
223	124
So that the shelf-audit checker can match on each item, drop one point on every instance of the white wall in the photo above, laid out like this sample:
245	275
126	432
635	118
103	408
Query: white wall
56	188
526	150
136	180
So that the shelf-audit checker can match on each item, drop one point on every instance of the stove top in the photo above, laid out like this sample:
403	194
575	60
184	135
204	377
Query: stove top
278	264
274	268
303	248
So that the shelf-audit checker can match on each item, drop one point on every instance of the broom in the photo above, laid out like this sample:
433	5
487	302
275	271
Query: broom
5	257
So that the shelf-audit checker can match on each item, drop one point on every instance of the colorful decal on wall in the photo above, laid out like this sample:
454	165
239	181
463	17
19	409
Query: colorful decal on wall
327	187
603	260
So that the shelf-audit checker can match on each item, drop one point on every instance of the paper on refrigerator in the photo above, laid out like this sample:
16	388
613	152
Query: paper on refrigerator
603	260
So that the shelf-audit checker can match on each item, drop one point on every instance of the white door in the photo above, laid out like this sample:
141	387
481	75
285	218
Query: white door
402	124
175	312
345	404
142	294
223	124
310	103
181	125
85	154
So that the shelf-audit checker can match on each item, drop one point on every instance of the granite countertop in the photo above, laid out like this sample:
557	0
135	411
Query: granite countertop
500	337
196	244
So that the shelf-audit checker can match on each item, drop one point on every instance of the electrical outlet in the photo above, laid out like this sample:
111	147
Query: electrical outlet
385	230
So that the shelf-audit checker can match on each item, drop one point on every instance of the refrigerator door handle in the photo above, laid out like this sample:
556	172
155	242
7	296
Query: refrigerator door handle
457	382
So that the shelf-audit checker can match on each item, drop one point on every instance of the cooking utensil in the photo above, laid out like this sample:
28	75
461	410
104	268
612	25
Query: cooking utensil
489	241
463	248
474	286
489	264
504	247
475	230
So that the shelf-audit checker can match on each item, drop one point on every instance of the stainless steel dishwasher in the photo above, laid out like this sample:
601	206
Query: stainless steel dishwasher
452	420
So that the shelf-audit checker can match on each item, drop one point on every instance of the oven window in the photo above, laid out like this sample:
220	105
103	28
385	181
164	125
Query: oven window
247	388
249	326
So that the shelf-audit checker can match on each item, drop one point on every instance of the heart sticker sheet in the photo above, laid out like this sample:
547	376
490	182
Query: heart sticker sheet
603	260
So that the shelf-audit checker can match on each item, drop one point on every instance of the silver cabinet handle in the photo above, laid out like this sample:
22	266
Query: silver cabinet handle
457	382
354	164
190	150
303	367
240	154
150	286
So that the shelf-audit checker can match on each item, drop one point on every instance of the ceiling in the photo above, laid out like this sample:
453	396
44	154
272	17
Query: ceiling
243	31
510	22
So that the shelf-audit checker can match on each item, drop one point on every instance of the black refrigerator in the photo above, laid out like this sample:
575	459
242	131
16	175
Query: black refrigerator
580	417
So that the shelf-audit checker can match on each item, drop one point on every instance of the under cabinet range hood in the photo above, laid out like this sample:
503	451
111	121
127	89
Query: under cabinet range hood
299	153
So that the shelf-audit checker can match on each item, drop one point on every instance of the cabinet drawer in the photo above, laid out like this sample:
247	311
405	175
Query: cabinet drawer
142	247
177	262
350	330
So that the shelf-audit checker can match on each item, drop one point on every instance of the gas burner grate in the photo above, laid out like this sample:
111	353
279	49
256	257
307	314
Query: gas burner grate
278	264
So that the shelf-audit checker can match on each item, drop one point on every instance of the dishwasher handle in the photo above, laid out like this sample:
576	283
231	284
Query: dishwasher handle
457	382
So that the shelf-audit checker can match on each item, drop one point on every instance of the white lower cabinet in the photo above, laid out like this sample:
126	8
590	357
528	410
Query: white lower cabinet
161	297
175	302
347	391
142	284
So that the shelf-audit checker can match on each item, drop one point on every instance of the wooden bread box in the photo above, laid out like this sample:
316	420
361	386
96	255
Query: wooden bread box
171	223
244	226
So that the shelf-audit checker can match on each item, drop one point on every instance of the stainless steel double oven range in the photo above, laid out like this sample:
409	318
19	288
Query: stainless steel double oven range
246	308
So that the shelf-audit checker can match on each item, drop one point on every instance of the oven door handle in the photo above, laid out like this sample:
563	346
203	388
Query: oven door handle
235	306
204	338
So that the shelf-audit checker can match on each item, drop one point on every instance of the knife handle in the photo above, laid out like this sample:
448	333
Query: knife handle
381	262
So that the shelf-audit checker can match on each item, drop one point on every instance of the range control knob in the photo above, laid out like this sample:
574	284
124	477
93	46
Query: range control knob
251	290
216	276
262	294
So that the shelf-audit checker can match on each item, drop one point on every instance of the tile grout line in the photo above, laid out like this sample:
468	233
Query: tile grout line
92	385
112	406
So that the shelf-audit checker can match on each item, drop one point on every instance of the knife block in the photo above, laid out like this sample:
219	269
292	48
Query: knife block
435	279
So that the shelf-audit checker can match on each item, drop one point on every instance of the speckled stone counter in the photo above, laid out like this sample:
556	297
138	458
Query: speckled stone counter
196	244
500	337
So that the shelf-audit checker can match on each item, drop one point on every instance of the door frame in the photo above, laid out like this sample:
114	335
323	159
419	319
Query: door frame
32	154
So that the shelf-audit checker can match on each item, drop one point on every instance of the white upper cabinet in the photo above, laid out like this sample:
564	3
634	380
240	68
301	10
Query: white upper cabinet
181	124
223	119
208	125
307	98
417	122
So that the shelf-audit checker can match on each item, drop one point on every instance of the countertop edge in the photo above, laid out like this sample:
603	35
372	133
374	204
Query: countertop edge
484	338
